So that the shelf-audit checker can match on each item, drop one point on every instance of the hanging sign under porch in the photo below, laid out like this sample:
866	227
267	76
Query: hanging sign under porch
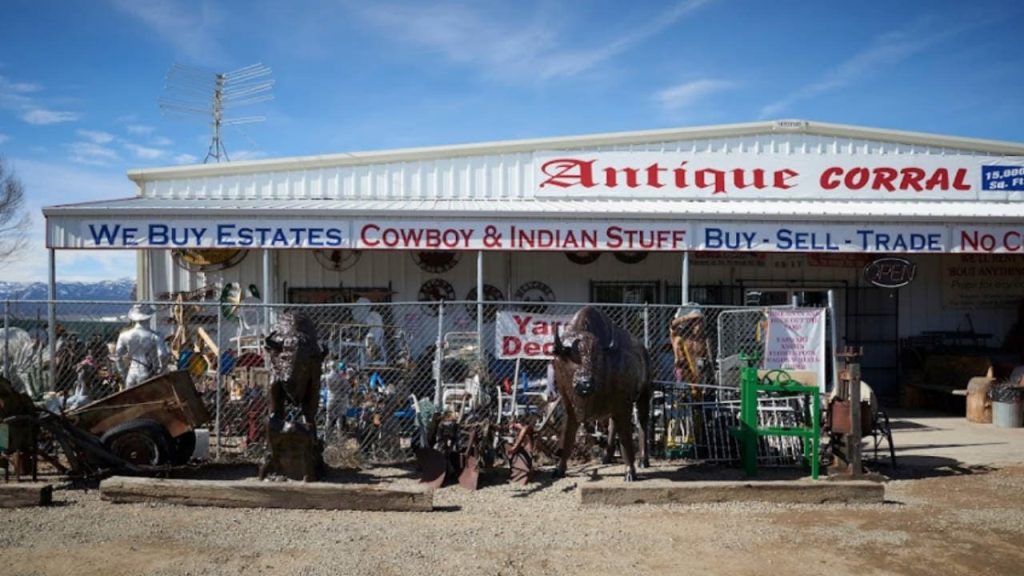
815	237
663	234
795	340
170	232
521	235
525	335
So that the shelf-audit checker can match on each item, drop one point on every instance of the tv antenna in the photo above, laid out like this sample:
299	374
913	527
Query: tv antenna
193	91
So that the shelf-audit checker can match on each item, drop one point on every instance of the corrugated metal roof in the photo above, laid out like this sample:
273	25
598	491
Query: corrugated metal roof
821	211
591	141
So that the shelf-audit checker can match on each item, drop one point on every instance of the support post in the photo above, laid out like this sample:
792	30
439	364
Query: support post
833	338
51	314
647	327
684	290
480	303
7	339
853	373
265	315
220	383
847	457
438	353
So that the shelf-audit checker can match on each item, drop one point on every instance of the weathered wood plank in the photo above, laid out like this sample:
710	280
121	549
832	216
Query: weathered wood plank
18	495
256	494
618	493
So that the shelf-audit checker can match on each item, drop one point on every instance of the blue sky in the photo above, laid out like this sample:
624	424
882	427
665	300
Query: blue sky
80	79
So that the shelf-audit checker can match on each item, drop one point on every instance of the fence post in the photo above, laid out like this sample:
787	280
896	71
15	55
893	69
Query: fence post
834	338
7	340
51	313
647	327
438	353
220	382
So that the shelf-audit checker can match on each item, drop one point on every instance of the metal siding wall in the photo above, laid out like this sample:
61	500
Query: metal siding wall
484	176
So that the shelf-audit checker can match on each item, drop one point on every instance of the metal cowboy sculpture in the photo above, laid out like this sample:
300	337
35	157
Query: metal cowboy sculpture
601	371
140	352
295	359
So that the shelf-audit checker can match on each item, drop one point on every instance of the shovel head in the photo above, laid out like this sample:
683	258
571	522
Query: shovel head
470	475
433	467
522	467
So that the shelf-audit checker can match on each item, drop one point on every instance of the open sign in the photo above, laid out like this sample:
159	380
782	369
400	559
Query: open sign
890	272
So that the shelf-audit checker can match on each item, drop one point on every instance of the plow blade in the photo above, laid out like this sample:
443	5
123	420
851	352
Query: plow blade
470	475
433	466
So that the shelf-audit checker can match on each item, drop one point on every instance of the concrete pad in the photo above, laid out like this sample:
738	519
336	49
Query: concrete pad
256	494
619	493
929	439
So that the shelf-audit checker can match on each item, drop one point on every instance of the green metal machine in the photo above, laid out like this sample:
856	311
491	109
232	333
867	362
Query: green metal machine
749	432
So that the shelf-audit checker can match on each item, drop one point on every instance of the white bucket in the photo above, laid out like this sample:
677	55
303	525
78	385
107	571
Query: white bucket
1008	414
202	450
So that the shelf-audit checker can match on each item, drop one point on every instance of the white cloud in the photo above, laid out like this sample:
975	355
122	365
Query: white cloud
49	183
15	96
241	155
193	32
885	51
95	265
501	43
677	97
161	141
44	117
144	152
139	129
4	137
185	159
60	182
96	136
92	154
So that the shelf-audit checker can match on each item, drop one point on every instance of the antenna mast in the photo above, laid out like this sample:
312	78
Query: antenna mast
195	92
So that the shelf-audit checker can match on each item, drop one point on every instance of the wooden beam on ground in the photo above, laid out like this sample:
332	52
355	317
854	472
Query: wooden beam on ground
257	494
619	493
18	495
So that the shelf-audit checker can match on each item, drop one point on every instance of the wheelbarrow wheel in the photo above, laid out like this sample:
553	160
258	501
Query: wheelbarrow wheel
140	442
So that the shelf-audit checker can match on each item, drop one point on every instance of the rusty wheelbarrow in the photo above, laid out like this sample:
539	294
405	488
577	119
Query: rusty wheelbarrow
151	424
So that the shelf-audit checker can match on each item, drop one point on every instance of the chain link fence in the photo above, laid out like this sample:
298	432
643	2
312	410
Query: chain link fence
387	363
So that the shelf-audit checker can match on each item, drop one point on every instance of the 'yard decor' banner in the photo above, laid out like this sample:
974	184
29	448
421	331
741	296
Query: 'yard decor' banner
796	341
526	335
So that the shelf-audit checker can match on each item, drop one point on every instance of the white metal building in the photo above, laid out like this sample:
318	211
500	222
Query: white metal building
785	208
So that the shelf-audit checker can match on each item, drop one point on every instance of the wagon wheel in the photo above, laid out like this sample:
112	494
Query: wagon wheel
140	442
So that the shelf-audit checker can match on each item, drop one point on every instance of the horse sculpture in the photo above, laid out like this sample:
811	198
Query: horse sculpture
295	359
601	373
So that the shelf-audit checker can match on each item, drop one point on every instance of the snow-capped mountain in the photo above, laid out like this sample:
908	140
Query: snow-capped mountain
107	290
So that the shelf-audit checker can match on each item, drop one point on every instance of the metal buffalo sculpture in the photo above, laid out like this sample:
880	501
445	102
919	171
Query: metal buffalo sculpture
601	371
295	359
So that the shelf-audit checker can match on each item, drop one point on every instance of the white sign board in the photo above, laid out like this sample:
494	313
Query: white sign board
223	232
983	239
769	175
881	238
525	335
795	340
521	235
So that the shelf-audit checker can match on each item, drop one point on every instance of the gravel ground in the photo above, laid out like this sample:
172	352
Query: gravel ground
948	521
